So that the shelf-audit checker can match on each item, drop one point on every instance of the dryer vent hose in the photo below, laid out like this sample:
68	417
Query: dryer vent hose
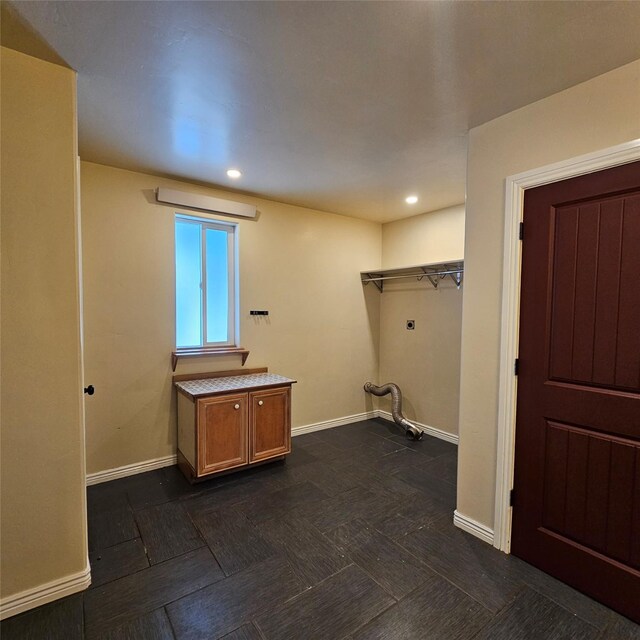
396	407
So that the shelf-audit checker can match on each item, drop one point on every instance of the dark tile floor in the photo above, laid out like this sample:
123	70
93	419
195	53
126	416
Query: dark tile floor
351	538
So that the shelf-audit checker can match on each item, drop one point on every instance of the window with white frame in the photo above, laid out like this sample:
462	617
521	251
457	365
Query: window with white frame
206	283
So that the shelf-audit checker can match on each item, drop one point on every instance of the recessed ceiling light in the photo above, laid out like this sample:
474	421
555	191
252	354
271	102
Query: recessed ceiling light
234	173
411	199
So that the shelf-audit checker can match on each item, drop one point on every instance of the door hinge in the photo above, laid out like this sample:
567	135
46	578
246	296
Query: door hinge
521	231
512	495
516	366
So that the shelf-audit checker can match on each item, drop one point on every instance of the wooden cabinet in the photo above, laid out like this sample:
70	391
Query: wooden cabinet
221	433
269	424
231	422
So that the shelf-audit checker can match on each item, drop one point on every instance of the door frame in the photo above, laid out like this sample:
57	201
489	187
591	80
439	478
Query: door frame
515	187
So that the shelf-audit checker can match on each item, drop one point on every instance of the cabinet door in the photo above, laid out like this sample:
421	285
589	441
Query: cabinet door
269	424
222	433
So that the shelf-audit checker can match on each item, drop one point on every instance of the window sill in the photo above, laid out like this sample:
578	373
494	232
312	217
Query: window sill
200	352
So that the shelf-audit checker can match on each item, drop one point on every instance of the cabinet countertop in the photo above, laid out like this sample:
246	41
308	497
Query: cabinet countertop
230	384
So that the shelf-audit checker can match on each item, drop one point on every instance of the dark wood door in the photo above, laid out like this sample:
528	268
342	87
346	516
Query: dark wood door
222	433
577	462
269	424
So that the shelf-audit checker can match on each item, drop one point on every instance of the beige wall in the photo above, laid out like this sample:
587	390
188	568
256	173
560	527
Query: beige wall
301	265
594	115
425	362
43	483
429	237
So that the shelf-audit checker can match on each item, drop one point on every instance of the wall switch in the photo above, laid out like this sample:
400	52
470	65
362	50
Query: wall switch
411	325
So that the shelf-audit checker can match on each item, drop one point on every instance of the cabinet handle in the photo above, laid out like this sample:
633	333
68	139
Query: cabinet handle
237	406
260	403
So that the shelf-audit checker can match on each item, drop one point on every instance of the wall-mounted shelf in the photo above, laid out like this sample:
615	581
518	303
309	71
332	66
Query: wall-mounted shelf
434	273
200	352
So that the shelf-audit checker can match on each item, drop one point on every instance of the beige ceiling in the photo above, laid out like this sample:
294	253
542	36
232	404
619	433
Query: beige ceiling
340	106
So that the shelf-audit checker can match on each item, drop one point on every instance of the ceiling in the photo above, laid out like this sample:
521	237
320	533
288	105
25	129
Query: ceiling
345	107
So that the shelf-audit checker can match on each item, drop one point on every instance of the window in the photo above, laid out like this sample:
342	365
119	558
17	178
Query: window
205	283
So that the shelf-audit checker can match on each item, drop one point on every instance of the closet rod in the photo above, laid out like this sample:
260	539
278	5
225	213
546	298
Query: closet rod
414	275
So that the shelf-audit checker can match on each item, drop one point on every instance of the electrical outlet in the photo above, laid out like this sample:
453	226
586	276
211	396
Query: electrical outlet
411	325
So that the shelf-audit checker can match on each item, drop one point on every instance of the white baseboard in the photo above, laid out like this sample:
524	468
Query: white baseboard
473	527
167	461
45	593
130	469
330	424
429	430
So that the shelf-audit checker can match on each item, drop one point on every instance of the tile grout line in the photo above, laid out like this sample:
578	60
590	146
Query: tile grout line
166	613
455	586
164	562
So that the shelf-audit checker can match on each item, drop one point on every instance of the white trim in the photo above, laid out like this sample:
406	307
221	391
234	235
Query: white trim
473	527
131	469
376	413
44	593
514	202
330	424
167	461
429	430
231	229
